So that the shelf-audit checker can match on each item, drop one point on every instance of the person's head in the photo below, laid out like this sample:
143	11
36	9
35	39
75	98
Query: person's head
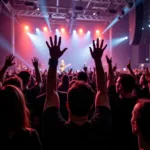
80	99
13	111
65	80
82	76
16	81
140	120
125	84
26	77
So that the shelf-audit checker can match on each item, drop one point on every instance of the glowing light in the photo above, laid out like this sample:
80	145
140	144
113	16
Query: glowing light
126	38
26	28
94	13
89	32
74	31
142	28
149	25
38	9
45	29
97	31
57	30
62	30
80	30
37	29
100	38
142	65
147	59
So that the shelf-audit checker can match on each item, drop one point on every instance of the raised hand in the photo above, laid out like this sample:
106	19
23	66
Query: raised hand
109	60
98	49
129	65
54	48
85	68
35	62
114	68
9	60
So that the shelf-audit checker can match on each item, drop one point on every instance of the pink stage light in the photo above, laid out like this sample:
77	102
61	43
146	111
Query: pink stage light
97	31
45	29
62	30
26	28
80	30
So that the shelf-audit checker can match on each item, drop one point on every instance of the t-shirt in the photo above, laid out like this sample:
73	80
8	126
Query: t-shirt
22	140
123	137
93	134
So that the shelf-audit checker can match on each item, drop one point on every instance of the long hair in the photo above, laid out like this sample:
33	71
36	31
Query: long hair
14	114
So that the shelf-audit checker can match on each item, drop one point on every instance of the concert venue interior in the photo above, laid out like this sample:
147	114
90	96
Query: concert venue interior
27	24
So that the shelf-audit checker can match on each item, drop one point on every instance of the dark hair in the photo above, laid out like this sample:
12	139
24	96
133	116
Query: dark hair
80	98
13	111
16	81
25	76
82	76
127	82
143	118
64	85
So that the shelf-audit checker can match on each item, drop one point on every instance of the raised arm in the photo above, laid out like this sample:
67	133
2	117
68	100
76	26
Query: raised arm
97	53
110	72
35	63
131	71
8	63
52	99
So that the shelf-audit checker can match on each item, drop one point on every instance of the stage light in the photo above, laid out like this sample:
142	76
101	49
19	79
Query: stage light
149	25
89	32
38	9
37	29
45	29
62	30
74	31
147	59
126	38
94	13
97	31
26	28
142	28
57	30
81	30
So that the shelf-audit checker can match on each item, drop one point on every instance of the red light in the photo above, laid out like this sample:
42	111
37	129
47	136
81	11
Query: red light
81	31
97	31
26	28
45	29
62	30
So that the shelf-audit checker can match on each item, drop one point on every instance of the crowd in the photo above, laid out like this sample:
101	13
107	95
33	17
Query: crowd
90	109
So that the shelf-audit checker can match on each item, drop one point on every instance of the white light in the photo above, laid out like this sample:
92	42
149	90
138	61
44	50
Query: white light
37	29
126	37
142	28
57	30
147	59
94	13
74	31
89	32
149	25
142	65
38	8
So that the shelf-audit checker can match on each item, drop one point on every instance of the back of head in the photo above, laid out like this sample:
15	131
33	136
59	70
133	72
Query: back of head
143	118
25	76
127	82
13	110
16	81
80	98
82	76
65	79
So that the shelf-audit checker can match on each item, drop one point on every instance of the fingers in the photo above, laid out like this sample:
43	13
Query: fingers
59	42
90	50
94	47
64	50
104	47
51	42
101	47
48	45
97	43
55	41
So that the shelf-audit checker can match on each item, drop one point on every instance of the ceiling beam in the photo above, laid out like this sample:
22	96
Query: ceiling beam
57	5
